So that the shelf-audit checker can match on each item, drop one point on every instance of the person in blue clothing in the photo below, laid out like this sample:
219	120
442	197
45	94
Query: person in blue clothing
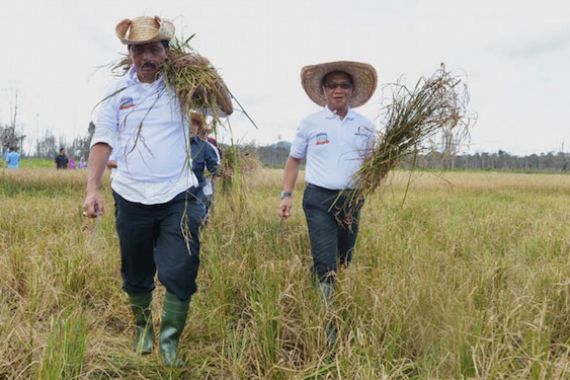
13	158
204	155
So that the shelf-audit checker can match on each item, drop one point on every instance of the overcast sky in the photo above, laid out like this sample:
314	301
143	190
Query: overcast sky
515	55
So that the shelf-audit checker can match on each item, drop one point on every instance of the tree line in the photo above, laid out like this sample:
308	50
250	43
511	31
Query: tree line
47	146
276	154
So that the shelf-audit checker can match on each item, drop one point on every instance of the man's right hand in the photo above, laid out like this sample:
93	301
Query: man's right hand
93	205
285	207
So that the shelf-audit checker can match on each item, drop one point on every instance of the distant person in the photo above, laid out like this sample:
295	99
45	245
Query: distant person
82	164
334	141
204	156
71	165
206	135
204	132
61	160
13	158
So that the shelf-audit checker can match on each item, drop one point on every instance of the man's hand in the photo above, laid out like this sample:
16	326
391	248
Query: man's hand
93	205
190	60
285	207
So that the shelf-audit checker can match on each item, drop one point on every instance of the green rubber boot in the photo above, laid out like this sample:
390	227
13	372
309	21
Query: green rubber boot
140	305
174	315
326	291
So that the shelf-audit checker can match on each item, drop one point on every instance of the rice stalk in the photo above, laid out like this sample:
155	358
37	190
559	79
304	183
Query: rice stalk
238	164
436	105
196	82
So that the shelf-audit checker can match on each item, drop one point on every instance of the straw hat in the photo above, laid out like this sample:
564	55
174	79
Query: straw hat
199	117
363	76
144	30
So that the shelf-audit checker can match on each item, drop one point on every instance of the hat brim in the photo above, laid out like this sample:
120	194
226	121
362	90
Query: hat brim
363	75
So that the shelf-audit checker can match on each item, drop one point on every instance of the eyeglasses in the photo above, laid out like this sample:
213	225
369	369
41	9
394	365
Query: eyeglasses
333	86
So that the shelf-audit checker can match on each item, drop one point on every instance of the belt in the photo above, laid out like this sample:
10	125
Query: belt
324	189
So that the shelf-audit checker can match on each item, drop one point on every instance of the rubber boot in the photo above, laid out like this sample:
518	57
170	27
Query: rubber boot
326	291
174	316
140	305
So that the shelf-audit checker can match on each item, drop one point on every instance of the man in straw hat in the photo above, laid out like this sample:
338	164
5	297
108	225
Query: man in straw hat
333	141
158	215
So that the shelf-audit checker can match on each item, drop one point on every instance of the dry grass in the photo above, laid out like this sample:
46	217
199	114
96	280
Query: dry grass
468	279
436	105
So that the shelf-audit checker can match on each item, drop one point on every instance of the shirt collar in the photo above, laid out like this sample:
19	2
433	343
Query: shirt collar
331	115
134	79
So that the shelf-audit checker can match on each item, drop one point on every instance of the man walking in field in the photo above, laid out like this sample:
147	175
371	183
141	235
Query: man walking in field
334	141
158	213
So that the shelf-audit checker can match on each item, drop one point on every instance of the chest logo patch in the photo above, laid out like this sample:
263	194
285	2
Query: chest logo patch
322	138
126	103
363	130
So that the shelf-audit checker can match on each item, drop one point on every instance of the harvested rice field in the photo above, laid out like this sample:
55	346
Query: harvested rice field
467	275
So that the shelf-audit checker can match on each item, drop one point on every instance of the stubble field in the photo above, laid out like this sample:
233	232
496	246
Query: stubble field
469	277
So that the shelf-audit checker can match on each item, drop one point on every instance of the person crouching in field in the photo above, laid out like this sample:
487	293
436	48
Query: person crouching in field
157	216
334	142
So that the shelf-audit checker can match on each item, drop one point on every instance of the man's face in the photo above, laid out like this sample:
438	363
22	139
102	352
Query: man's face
337	90
148	59
194	128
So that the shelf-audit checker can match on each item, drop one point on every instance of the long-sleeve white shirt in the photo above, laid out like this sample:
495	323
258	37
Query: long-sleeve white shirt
143	124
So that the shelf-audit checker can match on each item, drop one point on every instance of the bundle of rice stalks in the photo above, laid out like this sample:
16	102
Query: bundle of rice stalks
436	105
238	164
196	82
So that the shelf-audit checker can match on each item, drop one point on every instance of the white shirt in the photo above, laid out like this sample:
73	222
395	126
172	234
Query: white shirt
334	148
112	157
143	124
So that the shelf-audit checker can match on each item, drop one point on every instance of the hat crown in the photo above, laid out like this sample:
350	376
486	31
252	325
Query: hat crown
144	29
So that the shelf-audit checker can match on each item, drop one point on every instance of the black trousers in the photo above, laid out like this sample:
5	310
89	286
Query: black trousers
331	232
162	237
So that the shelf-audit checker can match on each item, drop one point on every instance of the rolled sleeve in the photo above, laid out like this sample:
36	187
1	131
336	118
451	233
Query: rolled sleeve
107	120
300	143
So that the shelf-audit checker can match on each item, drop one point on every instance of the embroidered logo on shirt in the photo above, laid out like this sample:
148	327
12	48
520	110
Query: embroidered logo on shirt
322	138
363	130
126	103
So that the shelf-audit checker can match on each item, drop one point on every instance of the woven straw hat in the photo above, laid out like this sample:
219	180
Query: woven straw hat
199	117
144	30
363	76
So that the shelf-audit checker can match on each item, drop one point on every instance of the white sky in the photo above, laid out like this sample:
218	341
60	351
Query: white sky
515	53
